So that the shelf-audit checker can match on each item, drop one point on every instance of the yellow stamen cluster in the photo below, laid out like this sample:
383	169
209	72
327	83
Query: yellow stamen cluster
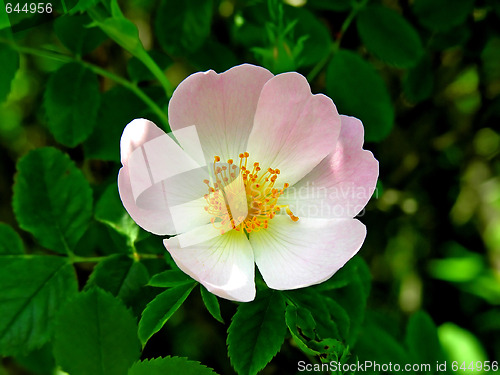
233	189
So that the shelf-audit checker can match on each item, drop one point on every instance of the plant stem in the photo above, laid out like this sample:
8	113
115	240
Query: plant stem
334	47
136	256
140	53
98	70
356	7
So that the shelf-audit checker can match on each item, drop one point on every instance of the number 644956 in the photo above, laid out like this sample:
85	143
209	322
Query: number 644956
477	366
28	8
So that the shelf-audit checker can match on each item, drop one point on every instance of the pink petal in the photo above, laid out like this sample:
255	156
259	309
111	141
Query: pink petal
293	255
157	221
135	134
221	106
223	264
341	185
293	129
160	185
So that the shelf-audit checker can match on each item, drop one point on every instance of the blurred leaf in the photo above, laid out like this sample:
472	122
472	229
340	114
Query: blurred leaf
359	91
72	100
256	333
74	33
39	361
138	72
120	29
389	36
161	309
188	29
52	200
422	339
213	55
211	303
120	275
96	334
353	297
457	269
170	278
83	5
336	5
169	365
419	81
10	65
33	290
490	57
109	210
318	36
10	242
461	345
440	15
376	342
124	32
112	118
456	36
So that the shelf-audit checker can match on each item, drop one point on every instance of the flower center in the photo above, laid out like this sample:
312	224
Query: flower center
243	198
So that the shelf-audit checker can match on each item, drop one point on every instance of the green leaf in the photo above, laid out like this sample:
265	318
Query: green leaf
72	100
353	297
441	15
83	5
169	365
76	35
256	333
310	299
112	118
389	36
109	210
52	200
359	91
33	290
375	342
161	309
422	339
456	36
211	303
339	316
39	361
96	334
10	242
461	345
120	275
301	324
316	33
170	278
10	65
336	5
188	29
124	32
419	81
213	55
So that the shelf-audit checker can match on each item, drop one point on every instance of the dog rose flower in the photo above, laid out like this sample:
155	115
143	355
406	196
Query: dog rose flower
261	171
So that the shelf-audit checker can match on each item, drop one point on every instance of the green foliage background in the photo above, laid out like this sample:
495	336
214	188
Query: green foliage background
85	291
